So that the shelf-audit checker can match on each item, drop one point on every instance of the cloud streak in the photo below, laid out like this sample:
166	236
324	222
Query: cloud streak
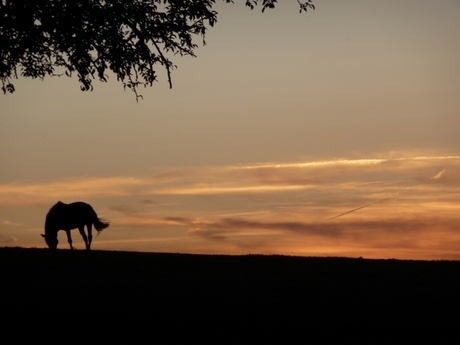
438	175
7	240
10	223
359	208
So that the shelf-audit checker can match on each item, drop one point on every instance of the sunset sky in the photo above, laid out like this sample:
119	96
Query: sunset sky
282	125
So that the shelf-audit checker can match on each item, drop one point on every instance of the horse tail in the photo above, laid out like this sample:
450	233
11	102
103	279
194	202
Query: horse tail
100	225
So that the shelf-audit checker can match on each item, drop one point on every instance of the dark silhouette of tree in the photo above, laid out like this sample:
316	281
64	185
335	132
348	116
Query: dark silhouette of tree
88	37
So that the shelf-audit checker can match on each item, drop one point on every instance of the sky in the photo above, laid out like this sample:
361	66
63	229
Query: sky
328	133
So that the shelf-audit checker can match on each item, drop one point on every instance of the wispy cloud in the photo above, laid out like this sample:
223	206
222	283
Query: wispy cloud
9	223
7	240
438	175
338	162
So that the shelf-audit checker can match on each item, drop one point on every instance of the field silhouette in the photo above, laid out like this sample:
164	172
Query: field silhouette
202	299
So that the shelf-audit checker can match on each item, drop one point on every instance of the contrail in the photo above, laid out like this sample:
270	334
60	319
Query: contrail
358	208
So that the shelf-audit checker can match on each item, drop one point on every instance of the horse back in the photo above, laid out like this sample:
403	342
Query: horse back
70	216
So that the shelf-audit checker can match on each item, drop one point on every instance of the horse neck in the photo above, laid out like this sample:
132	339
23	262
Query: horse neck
50	231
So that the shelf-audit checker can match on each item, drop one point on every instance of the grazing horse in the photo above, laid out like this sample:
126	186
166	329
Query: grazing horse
71	216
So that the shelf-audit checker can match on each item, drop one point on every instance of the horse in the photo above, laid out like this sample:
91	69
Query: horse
71	216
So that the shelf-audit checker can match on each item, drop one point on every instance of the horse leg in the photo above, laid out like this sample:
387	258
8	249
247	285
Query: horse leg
69	238
90	235
82	233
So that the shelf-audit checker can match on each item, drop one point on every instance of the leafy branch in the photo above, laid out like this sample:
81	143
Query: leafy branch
90	37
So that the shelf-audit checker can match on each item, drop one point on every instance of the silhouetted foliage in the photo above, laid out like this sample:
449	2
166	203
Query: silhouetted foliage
87	37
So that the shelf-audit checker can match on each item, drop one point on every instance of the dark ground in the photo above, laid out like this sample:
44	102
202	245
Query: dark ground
126	297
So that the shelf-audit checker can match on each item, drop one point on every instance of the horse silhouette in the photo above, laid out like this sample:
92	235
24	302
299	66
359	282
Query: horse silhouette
71	216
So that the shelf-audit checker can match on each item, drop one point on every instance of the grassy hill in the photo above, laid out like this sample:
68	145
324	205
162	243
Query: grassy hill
178	298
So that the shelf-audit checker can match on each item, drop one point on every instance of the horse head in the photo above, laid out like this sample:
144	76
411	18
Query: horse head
52	242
